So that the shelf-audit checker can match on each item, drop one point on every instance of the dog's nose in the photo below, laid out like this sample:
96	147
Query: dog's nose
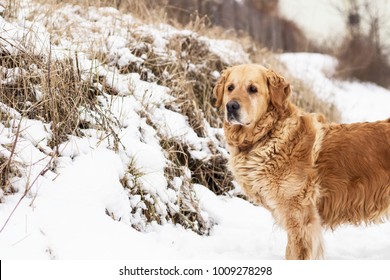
232	106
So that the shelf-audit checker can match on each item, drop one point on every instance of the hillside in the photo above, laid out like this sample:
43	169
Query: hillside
110	147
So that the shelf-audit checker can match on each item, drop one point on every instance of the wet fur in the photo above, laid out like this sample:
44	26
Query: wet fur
309	173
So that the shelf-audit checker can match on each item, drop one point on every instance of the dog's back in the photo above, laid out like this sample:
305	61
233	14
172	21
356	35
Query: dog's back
354	173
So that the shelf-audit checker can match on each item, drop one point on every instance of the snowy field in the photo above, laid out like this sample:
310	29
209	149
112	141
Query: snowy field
64	213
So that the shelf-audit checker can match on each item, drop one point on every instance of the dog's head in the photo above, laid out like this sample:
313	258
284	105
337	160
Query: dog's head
246	91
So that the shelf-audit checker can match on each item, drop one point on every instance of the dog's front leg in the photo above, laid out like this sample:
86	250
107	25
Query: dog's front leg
304	233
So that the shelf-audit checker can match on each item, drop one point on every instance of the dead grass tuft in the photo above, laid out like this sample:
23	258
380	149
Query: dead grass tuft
147	204
185	211
49	91
7	172
11	8
211	173
53	91
197	63
4	173
189	214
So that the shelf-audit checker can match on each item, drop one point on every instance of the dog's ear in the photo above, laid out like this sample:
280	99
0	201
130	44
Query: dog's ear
279	89
218	89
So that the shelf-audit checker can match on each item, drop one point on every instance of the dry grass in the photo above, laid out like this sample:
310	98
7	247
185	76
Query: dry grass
146	10
200	81
52	91
4	174
148	209
211	173
11	8
49	91
7	172
186	210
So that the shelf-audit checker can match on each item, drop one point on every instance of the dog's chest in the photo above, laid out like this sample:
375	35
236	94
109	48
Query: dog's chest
260	172
278	169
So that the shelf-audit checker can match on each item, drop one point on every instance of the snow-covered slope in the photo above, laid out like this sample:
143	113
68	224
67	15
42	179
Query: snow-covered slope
89	201
356	101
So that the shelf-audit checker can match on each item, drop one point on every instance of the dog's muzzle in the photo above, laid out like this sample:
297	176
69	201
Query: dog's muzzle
232	109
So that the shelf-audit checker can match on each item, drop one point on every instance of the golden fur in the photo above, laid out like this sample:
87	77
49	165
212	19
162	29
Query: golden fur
309	173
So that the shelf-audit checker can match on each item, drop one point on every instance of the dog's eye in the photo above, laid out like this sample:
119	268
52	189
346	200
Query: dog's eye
230	88
252	89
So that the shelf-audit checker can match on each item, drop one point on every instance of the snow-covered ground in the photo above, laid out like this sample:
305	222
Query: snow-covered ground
64	214
356	101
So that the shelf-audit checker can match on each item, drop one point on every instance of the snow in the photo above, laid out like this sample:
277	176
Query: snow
75	205
321	20
356	101
230	51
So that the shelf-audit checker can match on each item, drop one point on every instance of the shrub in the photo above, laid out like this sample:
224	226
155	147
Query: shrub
362	58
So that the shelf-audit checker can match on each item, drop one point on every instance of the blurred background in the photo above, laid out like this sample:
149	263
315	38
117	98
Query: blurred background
355	31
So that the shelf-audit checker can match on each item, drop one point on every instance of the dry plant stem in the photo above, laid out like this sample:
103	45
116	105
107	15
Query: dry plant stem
14	145
47	167
54	121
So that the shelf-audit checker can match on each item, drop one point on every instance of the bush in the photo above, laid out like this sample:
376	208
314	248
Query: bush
362	58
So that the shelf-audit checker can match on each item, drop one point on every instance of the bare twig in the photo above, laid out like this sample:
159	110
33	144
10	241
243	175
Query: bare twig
44	170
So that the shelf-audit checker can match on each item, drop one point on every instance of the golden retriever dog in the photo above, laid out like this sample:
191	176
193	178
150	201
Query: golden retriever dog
309	173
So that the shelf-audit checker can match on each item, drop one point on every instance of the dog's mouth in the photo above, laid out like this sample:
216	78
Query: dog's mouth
234	119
